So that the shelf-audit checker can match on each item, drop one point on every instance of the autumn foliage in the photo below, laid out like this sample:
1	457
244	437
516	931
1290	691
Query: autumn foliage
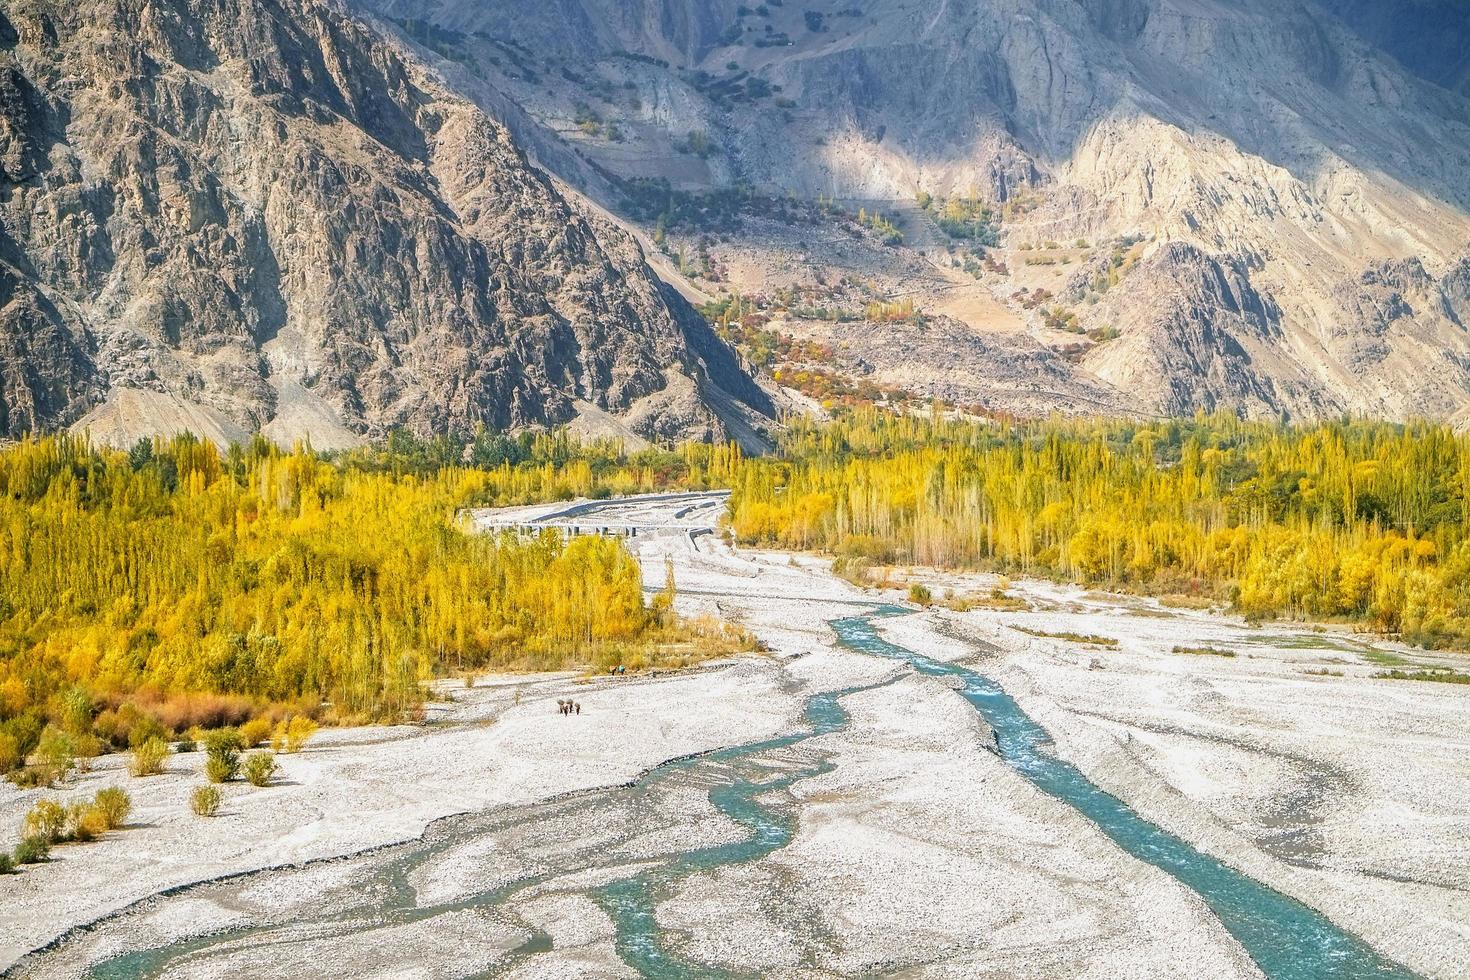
146	593
1360	521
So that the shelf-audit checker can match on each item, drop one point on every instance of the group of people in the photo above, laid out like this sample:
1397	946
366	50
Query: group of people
567	706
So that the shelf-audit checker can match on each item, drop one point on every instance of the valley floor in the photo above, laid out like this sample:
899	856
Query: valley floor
900	840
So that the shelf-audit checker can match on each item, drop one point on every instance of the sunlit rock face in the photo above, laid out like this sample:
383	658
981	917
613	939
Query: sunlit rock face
261	214
1281	159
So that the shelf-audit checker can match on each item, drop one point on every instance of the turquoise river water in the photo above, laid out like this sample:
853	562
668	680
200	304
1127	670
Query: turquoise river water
1288	940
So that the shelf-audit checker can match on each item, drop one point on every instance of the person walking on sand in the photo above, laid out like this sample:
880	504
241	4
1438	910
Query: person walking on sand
579	707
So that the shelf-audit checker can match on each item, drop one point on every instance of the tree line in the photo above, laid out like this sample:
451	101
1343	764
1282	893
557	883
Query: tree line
173	586
1350	520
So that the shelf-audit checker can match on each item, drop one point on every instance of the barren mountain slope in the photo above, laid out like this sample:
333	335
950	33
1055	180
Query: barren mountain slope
1297	173
1431	38
238	214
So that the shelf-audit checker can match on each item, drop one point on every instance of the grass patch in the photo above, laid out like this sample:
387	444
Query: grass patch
1306	641
1383	658
1439	675
1187	602
1204	651
1086	638
998	603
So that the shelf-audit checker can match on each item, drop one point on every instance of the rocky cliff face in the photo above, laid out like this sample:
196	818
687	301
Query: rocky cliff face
1280	161
261	213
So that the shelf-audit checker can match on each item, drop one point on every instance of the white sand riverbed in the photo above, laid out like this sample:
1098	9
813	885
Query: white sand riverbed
360	788
1289	760
919	850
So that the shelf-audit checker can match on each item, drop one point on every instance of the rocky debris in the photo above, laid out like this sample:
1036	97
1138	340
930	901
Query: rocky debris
1405	329
944	358
249	206
1202	321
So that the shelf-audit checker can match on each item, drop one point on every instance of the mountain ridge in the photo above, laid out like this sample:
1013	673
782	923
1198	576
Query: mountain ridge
1287	145
252	206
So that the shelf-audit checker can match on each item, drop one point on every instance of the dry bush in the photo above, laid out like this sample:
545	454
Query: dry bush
204	801
46	821
84	822
181	712
127	725
254	731
259	768
1187	601
114	804
32	777
148	758
292	734
160	714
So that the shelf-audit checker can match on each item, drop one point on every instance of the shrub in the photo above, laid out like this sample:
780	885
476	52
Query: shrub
291	735
259	768
32	850
114	804
47	821
7	864
254	731
221	740
223	748
148	757
85	822
29	777
144	729
919	592
186	744
205	800
56	754
10	754
222	768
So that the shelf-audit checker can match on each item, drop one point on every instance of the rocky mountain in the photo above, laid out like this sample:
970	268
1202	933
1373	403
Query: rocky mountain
230	215
1431	38
1258	204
